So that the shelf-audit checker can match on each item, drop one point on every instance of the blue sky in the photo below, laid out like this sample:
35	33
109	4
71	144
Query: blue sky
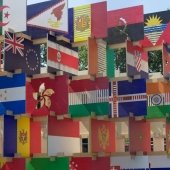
149	5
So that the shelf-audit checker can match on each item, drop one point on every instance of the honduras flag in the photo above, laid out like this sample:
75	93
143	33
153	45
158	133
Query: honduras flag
13	94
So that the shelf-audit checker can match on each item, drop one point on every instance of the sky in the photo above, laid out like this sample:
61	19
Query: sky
149	5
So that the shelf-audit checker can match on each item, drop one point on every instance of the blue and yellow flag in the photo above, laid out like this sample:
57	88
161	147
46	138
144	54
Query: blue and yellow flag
23	136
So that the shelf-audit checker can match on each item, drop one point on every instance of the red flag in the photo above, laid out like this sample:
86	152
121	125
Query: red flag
139	135
65	127
47	94
103	136
15	164
35	136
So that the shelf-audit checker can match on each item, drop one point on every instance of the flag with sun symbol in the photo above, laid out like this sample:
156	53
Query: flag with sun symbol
47	94
102	136
156	28
139	136
12	16
158	96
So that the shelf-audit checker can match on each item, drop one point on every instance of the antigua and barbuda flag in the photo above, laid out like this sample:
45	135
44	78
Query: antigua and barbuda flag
54	17
13	15
136	61
156	28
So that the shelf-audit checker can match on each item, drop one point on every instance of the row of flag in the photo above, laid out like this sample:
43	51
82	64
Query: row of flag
57	94
82	22
75	163
25	137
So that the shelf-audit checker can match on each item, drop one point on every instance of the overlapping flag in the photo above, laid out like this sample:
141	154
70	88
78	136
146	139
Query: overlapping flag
156	28
123	24
13	94
21	54
53	16
87	96
69	137
136	61
166	60
13	16
129	100
158	94
61	57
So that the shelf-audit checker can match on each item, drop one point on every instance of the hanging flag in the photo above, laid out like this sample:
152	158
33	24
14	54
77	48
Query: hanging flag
139	136
16	163
131	99
166	60
63	140
136	61
46	94
96	56
10	13
101	55
10	136
13	94
54	17
103	135
156	28
99	20
84	163
23	136
110	62
158	94
123	24
82	23
35	137
48	163
61	57
168	137
87	96
21	54
92	56
80	163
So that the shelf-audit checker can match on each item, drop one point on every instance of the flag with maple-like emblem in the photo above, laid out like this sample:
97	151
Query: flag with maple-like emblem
10	13
103	135
45	95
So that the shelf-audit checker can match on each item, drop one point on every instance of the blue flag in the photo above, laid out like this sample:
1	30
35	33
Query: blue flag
129	97
21	54
13	94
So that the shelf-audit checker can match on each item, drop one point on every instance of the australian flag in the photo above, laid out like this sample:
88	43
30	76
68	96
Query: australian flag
129	98
21	54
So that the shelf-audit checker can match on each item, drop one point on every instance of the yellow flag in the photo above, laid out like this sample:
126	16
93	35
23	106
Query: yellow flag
82	23
23	136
